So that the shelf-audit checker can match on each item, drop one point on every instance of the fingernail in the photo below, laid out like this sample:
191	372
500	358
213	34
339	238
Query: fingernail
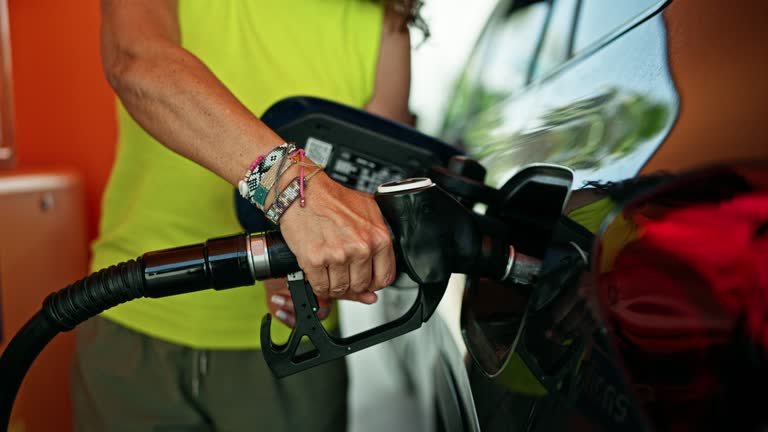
285	317
278	300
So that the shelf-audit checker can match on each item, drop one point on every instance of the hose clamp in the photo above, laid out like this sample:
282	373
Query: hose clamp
258	256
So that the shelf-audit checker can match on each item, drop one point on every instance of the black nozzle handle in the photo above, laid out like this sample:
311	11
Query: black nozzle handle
437	236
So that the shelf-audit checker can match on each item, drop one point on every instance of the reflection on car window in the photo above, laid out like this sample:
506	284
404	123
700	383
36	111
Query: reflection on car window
598	18
602	117
554	50
511	52
500	64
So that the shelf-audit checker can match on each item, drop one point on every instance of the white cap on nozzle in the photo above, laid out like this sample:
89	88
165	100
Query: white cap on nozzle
405	185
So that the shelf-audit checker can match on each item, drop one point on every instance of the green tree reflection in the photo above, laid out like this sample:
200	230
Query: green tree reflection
586	134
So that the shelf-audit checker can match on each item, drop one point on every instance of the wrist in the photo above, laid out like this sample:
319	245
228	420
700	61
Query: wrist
289	186
316	192
263	173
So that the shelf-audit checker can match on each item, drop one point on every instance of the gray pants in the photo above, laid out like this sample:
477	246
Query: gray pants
127	381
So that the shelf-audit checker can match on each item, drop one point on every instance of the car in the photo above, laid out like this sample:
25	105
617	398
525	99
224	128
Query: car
614	91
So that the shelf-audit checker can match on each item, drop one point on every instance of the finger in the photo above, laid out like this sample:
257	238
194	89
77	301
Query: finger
324	311
323	302
360	273
364	297
383	262
338	275
276	286
286	318
282	301
318	280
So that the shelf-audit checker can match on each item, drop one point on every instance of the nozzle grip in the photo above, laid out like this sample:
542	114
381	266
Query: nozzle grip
218	263
285	359
435	235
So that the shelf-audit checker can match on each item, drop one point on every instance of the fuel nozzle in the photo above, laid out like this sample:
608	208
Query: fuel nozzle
436	235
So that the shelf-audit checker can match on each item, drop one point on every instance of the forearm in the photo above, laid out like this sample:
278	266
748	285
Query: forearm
393	72
179	101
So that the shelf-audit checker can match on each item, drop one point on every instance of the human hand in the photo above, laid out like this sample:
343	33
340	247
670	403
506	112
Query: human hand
280	302
341	241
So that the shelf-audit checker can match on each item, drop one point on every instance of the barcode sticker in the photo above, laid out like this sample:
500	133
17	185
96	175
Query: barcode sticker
318	151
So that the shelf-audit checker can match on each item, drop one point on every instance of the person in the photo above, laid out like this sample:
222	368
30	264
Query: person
191	78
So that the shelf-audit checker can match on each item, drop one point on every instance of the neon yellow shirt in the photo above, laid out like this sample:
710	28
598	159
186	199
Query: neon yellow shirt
263	51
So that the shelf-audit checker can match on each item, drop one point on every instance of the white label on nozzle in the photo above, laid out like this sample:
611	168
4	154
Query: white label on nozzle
318	151
405	185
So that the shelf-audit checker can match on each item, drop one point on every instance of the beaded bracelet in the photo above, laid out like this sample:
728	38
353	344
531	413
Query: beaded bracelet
288	196
270	179
252	187
264	174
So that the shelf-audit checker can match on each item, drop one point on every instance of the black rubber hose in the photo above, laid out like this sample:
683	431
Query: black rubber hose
94	294
63	311
18	357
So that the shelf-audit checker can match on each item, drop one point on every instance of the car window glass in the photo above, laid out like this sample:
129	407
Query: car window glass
460	104
598	18
512	51
556	46
500	64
